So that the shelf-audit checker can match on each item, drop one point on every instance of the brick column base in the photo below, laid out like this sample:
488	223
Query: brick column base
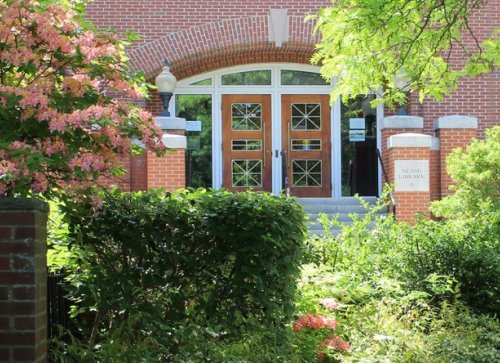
409	158
23	280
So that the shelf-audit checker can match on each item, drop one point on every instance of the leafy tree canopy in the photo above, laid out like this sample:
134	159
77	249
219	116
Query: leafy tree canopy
391	45
60	127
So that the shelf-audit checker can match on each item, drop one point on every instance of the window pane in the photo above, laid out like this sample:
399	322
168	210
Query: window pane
246	145
250	78
246	116
199	153
301	78
306	173
359	147
306	116
203	82
306	144
247	173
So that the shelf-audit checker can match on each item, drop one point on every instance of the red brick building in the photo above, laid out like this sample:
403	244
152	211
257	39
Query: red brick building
263	114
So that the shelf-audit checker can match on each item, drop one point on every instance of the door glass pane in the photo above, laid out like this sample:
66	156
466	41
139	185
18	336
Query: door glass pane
359	147
246	116
306	144
250	78
247	173
306	173
301	78
246	145
306	116
199	152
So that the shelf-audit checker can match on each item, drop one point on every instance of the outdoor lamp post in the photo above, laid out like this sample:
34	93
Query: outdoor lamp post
165	82
402	82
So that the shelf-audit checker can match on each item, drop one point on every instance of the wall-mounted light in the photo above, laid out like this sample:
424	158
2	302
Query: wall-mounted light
165	83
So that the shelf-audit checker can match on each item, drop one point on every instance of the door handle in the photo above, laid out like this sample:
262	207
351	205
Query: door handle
264	148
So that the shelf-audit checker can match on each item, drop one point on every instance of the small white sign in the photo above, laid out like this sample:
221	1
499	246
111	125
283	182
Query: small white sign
411	175
357	123
193	125
356	135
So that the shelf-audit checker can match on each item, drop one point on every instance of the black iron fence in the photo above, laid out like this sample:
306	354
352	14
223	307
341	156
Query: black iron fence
58	306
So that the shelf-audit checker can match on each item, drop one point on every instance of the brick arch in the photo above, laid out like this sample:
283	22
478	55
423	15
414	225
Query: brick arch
233	56
224	43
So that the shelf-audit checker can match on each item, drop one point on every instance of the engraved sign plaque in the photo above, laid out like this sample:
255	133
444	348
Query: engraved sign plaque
411	175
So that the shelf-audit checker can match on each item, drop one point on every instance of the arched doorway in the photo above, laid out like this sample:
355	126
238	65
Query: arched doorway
263	124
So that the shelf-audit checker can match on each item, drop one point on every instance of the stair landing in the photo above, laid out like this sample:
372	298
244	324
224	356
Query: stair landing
342	207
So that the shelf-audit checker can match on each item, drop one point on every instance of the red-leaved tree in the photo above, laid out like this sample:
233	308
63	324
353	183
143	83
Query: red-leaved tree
59	126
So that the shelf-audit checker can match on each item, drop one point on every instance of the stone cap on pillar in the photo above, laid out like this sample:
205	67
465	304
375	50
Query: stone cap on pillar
455	122
7	203
171	123
403	122
174	141
409	140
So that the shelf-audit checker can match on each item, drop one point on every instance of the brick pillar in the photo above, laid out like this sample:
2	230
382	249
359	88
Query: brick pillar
23	280
138	172
393	125
169	171
452	131
409	156
435	172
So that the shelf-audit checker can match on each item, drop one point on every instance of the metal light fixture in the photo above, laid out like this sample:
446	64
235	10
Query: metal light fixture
402	82
165	82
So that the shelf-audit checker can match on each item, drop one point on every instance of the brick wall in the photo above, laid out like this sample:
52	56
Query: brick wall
199	37
23	280
478	96
154	19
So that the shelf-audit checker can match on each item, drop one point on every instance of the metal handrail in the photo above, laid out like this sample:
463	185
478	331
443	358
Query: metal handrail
285	183
349	178
386	179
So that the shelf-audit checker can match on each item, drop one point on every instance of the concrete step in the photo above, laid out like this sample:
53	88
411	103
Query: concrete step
336	201
340	207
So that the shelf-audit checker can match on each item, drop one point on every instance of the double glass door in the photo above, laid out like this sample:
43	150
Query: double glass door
248	149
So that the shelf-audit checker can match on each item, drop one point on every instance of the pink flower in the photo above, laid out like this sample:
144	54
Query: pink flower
329	303
336	343
97	202
314	321
40	183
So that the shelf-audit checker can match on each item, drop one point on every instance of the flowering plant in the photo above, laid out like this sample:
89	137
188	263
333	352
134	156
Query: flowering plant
310	329
60	127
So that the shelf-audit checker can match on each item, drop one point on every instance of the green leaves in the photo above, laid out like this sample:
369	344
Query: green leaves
393	46
193	257
476	175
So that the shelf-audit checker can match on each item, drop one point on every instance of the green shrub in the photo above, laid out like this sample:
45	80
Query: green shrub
466	252
185	260
443	259
476	175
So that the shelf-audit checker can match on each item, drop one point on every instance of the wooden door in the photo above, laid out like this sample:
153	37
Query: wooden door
246	142
306	138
